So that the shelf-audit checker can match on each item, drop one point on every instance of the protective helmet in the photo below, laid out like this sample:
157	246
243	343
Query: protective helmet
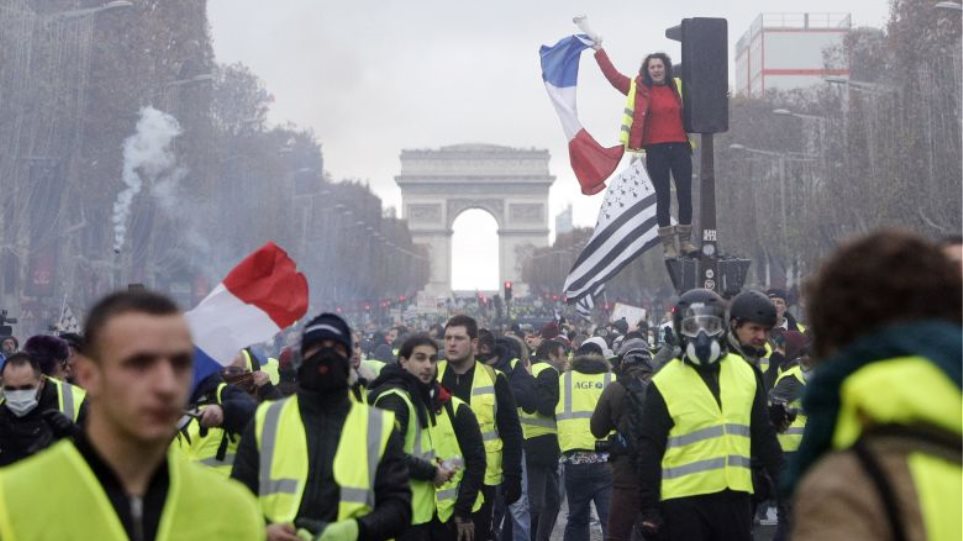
699	323
754	307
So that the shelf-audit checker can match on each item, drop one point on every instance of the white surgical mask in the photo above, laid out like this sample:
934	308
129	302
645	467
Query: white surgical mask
21	402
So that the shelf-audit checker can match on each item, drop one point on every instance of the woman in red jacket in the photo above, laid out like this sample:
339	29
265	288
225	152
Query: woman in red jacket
653	123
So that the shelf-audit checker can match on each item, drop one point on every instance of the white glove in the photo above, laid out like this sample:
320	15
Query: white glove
582	23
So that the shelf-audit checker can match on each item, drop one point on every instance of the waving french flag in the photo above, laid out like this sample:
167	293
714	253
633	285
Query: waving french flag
591	162
262	295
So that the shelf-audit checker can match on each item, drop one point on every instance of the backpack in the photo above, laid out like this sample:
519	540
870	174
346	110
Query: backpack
632	416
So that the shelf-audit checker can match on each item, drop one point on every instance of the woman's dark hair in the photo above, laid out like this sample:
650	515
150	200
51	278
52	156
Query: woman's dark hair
886	277
666	61
414	341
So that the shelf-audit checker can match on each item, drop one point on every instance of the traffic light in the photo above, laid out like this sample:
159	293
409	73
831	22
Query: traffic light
508	290
704	73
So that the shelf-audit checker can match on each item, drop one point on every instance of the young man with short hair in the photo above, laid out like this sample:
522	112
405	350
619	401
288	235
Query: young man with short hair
120	479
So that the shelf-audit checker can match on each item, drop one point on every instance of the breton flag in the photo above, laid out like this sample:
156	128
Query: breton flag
626	227
586	305
262	295
68	321
591	162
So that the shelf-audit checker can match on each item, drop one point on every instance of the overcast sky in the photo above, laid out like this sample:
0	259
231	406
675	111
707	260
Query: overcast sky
374	77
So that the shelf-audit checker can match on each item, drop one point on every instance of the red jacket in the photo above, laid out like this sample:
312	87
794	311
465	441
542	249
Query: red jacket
622	84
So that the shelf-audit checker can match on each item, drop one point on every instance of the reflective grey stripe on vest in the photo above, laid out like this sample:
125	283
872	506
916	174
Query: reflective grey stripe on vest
546	422
447	494
269	434
567	407
704	465
67	392
367	496
488	389
627	111
707	434
489	436
214	462
795	431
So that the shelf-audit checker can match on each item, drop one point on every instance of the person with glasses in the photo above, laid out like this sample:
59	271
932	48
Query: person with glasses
704	420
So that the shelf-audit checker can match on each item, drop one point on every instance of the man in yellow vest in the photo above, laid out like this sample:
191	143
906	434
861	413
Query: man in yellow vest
588	476
442	441
785	411
704	419
323	464
541	440
751	319
880	457
488	393
120	479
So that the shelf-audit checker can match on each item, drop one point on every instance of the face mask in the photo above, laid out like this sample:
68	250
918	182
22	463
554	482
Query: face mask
703	351
21	402
326	370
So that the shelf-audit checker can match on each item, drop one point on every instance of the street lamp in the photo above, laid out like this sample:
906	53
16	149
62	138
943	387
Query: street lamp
869	88
114	4
949	6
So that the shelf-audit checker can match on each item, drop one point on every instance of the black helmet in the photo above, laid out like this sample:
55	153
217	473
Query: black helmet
754	307
697	302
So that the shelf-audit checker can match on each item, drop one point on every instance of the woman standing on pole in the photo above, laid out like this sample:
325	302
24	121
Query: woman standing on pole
652	122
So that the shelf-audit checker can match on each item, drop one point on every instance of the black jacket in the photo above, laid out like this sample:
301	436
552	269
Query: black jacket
656	423
323	416
519	378
429	401
544	451
506	418
21	437
238	406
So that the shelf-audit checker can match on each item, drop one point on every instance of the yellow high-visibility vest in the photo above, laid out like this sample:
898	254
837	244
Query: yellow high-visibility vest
446	447
204	449
199	504
629	112
283	447
69	397
536	424
485	406
418	444
578	394
879	392
792	437
708	448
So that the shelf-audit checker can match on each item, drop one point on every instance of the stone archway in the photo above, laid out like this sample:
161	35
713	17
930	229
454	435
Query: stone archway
509	183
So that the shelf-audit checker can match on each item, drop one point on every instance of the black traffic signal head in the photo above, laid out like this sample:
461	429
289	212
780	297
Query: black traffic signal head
704	73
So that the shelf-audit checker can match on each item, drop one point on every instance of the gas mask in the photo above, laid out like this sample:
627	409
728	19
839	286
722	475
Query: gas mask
702	337
326	370
21	402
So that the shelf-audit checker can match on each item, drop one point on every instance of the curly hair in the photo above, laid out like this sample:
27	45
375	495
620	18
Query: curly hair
886	277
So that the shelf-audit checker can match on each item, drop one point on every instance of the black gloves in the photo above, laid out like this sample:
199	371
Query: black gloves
60	425
512	489
649	524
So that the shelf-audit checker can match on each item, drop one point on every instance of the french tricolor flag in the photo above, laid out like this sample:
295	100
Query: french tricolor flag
591	162
262	295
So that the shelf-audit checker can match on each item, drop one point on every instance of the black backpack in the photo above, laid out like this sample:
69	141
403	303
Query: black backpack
632	417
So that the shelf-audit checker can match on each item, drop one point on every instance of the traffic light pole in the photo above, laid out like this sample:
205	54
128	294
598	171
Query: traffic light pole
708	258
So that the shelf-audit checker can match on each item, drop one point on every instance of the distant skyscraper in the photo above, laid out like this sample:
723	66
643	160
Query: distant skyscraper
563	221
785	51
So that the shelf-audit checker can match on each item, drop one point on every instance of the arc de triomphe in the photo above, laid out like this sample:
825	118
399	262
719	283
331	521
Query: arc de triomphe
511	184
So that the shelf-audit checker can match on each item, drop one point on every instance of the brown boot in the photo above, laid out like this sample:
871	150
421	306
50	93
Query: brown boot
685	240
667	234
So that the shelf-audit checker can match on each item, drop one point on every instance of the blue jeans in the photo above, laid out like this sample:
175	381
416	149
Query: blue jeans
584	484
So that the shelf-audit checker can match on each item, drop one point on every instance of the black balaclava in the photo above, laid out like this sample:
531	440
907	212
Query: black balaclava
325	370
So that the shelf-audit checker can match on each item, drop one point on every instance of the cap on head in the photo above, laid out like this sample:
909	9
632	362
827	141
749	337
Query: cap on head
777	293
327	326
754	307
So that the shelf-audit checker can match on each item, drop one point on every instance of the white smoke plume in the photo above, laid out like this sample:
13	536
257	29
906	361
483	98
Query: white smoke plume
147	158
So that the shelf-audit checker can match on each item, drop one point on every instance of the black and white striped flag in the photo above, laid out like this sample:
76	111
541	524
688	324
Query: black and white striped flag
586	305
626	227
